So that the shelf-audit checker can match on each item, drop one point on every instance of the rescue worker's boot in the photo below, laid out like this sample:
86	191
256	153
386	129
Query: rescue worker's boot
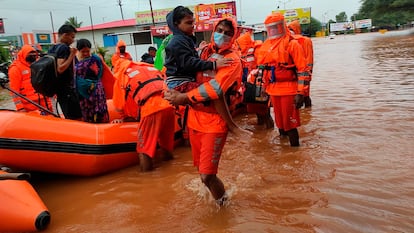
308	102
145	162
282	133
260	119
293	137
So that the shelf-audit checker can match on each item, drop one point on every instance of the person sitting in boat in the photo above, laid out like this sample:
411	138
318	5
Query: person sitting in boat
120	54
20	81
137	95
89	70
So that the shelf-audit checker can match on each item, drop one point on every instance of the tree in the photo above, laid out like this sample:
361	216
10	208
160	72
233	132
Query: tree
315	26
74	22
387	13
341	17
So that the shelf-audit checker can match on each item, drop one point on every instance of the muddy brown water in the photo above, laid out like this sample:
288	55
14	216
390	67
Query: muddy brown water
352	173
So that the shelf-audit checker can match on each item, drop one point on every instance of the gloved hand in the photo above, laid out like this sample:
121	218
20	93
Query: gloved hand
298	101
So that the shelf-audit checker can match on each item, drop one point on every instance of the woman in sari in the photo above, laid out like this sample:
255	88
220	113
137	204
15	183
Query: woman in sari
89	85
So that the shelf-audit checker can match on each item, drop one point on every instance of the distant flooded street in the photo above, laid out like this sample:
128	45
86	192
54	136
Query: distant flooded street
354	170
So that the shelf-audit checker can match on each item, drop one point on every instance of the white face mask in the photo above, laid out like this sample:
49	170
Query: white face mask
221	40
276	29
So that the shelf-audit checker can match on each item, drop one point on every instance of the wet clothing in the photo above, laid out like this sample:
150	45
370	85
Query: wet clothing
206	150
156	128
181	58
20	81
66	93
282	106
91	91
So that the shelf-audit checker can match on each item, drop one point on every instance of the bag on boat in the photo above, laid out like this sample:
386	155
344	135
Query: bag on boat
44	75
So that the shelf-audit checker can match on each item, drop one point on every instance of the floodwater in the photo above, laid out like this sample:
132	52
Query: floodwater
354	170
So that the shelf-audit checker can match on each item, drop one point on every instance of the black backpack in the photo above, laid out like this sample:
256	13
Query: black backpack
44	75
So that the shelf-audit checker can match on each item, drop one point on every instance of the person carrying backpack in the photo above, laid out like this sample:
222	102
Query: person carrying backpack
282	62
19	75
65	91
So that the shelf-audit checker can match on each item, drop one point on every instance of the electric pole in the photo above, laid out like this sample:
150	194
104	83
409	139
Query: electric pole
120	7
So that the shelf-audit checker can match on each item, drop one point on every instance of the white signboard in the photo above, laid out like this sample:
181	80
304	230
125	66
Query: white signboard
336	27
364	23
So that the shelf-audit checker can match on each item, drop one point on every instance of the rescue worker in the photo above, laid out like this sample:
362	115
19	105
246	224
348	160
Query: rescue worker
120	53
207	128
20	81
145	104
307	46
247	46
282	61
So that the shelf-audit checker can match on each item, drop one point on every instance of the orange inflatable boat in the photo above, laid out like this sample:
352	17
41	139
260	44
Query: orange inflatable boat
31	142
21	209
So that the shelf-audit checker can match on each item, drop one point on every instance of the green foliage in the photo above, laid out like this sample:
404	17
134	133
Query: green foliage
74	22
4	55
101	50
341	17
315	26
387	13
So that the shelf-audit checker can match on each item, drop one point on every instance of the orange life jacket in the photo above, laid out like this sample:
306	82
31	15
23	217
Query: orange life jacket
140	87
135	83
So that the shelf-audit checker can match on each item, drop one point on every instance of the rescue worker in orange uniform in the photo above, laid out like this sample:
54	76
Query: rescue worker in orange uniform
247	46
120	53
307	46
207	129
20	81
285	73
137	95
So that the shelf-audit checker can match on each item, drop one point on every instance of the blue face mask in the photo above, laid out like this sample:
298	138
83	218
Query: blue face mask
221	40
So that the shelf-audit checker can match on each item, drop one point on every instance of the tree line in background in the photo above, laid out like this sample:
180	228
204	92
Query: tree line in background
386	13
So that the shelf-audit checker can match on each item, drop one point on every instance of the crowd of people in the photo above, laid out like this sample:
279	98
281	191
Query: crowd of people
201	80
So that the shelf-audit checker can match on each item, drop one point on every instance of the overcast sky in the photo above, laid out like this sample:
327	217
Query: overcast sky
32	15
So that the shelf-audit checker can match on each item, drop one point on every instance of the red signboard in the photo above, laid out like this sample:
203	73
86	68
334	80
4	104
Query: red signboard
207	14
160	30
1	26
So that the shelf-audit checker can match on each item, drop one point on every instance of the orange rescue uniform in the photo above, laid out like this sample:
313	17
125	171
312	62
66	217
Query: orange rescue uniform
20	81
285	72
307	46
156	116
207	129
118	56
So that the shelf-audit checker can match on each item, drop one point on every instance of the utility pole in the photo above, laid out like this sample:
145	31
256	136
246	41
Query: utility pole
53	28
120	7
152	13
93	33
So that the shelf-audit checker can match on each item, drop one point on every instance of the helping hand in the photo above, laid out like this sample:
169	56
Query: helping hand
175	97
223	62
